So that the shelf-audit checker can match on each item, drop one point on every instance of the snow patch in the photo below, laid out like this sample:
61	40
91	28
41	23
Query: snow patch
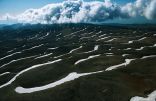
69	77
96	47
4	73
90	57
75	49
141	48
130	42
127	61
25	70
53	48
12	61
151	97
44	56
10	55
125	55
142	39
144	57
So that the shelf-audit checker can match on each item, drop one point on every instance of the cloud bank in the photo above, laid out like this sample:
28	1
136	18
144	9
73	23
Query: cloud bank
78	11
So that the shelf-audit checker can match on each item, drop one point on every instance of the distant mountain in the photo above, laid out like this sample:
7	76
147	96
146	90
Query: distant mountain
2	25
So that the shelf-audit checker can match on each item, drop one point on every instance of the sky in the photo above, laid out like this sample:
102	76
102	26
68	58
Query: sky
13	8
19	6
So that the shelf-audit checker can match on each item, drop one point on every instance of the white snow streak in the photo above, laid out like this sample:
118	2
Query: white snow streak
16	61
25	70
69	77
10	55
127	61
44	56
90	57
151	97
4	73
75	49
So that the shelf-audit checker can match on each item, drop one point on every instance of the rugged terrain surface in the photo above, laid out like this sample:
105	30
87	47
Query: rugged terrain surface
77	62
